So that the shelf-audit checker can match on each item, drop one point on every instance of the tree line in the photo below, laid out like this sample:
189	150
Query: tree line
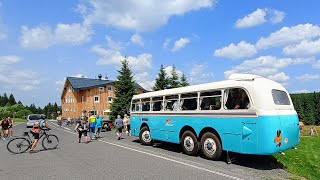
125	87
307	106
9	107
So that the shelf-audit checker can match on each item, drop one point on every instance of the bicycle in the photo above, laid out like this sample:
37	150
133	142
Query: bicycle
22	144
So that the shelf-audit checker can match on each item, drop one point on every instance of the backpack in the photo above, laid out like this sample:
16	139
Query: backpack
83	126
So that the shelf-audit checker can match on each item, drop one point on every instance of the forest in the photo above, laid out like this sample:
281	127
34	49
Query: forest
9	107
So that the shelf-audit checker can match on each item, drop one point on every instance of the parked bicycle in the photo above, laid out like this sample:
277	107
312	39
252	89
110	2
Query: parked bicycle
22	144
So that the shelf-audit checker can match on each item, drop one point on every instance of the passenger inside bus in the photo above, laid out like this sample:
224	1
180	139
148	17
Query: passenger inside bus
243	100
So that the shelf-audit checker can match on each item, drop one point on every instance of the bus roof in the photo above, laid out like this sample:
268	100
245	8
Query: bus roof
236	80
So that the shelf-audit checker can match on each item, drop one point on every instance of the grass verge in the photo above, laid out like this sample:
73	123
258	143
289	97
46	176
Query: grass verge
19	120
303	162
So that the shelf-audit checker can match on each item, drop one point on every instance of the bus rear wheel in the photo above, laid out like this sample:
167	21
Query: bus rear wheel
189	143
145	137
211	146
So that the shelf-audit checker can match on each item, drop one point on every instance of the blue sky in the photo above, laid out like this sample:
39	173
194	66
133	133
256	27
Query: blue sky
42	42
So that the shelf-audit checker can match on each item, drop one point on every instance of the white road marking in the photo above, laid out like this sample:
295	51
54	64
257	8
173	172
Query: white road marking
161	157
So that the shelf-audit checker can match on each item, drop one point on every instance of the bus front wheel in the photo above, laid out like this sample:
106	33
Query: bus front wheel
211	146
189	143
144	136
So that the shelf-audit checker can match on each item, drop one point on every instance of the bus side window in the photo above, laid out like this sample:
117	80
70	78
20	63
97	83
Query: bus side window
145	104
189	101
210	100
237	99
171	103
157	103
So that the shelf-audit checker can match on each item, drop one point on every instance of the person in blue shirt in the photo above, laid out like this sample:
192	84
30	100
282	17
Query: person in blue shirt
98	126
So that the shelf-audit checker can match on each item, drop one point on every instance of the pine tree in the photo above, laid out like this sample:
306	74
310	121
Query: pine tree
4	99
174	79
12	100
124	90
19	102
162	81
183	81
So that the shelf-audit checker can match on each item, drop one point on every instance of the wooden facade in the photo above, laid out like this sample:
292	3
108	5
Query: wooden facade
98	99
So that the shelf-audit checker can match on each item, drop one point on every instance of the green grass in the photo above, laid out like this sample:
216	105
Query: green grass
305	161
19	120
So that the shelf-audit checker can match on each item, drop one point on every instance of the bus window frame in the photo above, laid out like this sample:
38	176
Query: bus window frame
226	92
213	96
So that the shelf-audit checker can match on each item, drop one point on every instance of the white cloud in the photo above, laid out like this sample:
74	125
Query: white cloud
179	44
143	78
166	43
168	70
267	66
42	37
137	15
260	16
316	65
16	79
199	73
111	55
289	35
255	18
137	39
276	16
304	48
308	77
241	50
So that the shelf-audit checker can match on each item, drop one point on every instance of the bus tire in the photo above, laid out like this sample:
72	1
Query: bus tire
211	146
145	137
189	143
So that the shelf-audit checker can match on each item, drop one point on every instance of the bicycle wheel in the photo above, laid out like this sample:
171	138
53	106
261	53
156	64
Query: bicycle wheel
50	141
18	145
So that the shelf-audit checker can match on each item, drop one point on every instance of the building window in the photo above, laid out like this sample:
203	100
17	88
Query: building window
101	89
109	88
96	99
110	99
83	99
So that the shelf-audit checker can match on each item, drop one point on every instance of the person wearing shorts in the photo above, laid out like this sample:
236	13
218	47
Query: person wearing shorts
10	126
119	126
98	126
5	128
82	128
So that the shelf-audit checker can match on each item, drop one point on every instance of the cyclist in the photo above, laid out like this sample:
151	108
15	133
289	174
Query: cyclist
37	127
10	126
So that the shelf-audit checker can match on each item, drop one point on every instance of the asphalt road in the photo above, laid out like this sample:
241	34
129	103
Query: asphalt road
108	158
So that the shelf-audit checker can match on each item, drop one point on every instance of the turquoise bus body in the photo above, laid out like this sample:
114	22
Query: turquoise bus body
253	134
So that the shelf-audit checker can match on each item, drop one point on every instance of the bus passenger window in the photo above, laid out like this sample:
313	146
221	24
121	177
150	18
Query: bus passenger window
189	101
157	103
145	104
237	99
210	100
133	107
171	103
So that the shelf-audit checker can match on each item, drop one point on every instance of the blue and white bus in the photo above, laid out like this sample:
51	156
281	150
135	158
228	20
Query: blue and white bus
245	114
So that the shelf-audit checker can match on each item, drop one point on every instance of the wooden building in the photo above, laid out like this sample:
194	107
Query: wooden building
85	94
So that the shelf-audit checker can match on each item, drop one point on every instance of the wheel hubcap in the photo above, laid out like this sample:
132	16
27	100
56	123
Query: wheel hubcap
146	136
210	146
188	143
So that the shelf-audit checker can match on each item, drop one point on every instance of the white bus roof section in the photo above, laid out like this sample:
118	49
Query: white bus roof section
259	88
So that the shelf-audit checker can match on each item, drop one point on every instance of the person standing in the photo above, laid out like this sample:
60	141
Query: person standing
126	122
37	127
92	125
5	128
119	126
98	126
82	128
10	126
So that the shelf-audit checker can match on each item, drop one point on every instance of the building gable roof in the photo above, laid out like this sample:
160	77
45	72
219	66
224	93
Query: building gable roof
86	83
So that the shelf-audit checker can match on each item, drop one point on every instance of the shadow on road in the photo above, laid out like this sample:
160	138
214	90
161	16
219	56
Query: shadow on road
259	162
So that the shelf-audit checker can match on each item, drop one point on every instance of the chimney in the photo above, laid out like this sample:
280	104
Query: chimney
99	76
106	77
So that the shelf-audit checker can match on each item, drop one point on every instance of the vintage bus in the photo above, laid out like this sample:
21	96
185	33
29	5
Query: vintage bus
245	114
